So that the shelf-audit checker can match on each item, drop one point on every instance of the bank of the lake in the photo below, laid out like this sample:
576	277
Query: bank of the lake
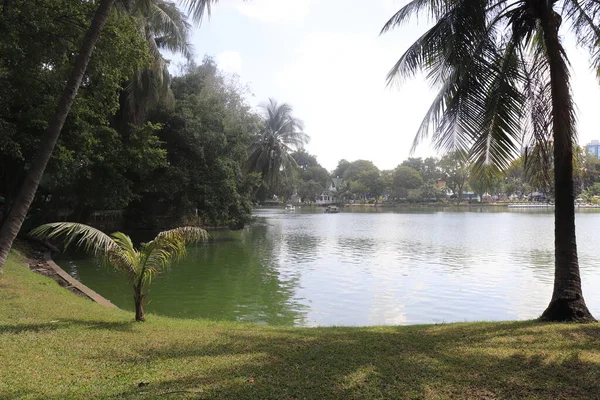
55	345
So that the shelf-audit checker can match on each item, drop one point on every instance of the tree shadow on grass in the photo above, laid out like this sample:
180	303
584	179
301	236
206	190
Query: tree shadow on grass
512	361
65	324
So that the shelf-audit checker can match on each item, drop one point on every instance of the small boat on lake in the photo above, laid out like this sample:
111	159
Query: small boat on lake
290	207
332	209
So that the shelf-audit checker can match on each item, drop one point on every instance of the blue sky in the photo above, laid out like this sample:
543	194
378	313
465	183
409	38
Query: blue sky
326	59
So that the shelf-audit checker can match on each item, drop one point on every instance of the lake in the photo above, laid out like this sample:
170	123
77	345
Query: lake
365	267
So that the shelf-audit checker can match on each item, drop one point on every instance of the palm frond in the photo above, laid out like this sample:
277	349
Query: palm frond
198	8
585	20
466	54
282	134
501	133
90	239
170	28
185	234
435	9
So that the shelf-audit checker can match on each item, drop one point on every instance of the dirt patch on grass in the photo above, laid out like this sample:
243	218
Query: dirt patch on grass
34	252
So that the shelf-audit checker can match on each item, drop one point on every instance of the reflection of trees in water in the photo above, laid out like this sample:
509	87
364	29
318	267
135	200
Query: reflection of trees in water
540	262
453	258
241	281
299	248
356	250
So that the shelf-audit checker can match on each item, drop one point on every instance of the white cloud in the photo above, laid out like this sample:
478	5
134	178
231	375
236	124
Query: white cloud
275	10
230	61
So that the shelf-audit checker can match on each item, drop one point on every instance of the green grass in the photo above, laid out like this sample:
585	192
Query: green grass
55	345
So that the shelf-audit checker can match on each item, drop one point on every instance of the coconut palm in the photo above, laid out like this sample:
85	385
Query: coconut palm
503	80
16	216
117	250
165	27
282	135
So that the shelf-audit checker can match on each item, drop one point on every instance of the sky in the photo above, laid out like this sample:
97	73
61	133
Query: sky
327	60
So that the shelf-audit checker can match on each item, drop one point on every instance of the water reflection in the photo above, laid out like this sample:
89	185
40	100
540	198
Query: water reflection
368	267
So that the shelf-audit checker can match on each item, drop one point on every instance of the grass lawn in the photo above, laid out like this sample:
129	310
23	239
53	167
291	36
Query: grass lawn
55	345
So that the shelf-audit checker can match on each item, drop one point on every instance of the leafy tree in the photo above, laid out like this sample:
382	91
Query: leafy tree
16	216
358	168
591	193
281	135
105	173
501	65
415	163
591	168
430	191
304	160
206	139
405	179
309	190
431	169
386	181
340	170
456	173
34	65
117	250
414	195
367	175
317	174
358	189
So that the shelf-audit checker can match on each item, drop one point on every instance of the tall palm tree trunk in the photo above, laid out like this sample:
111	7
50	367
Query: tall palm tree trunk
18	212
567	302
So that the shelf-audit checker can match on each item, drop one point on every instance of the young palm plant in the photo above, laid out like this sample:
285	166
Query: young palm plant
498	65
117	250
271	153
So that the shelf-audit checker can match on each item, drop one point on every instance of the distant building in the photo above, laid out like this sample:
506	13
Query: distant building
326	198
593	148
329	196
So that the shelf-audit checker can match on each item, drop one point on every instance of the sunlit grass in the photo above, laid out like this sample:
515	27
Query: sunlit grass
55	345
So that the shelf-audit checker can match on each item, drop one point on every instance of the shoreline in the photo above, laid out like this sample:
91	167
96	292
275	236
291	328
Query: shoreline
39	260
99	352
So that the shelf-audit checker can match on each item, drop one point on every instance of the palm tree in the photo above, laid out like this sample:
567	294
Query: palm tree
282	135
16	216
164	27
498	64
117	250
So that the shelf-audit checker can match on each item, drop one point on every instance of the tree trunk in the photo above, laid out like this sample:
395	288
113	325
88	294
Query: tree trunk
567	303
18	212
139	306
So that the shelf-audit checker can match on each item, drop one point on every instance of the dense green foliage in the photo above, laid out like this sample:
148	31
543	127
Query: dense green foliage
164	150
38	40
206	138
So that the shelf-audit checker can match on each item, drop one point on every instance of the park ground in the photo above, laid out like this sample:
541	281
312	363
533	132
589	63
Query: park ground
56	345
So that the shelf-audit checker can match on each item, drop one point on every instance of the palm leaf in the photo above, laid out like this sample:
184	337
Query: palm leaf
198	8
90	239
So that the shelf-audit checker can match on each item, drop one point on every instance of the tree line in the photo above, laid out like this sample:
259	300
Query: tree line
416	180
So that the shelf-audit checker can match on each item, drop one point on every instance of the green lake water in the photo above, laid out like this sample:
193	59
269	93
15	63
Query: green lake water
365	267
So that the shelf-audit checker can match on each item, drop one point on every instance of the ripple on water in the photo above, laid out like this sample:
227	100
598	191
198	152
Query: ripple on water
310	269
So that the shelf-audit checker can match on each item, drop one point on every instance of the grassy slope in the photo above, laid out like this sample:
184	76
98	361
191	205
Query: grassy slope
54	345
